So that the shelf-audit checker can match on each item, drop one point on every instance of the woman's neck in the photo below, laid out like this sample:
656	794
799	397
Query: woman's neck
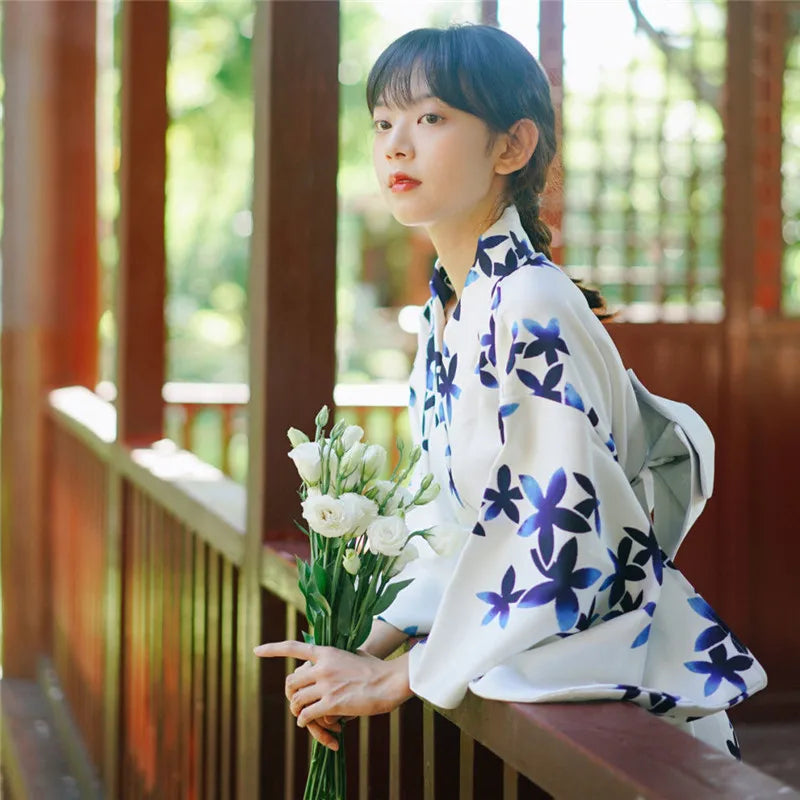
456	241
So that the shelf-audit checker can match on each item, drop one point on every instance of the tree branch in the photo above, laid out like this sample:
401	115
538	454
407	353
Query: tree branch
703	88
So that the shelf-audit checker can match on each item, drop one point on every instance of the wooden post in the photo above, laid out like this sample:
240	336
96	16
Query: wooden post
739	212
551	56
50	283
141	286
770	26
141	281
292	306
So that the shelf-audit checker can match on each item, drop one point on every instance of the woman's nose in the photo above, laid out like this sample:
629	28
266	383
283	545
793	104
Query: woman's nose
398	145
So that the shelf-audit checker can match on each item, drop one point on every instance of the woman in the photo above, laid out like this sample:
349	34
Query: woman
551	455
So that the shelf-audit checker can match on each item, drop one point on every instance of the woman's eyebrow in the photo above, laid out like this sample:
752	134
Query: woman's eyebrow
381	101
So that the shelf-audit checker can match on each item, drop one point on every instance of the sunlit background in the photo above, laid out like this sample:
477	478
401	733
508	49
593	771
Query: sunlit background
642	154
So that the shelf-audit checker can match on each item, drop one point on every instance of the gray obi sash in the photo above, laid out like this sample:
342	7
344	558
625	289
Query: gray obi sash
678	465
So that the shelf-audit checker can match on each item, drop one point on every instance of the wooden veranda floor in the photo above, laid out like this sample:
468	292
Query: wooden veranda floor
773	748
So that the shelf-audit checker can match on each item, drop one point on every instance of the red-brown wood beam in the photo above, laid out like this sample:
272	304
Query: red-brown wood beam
292	310
551	56
769	32
49	283
141	281
738	258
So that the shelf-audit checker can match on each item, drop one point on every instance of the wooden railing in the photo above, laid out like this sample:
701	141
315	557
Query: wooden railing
147	550
210	419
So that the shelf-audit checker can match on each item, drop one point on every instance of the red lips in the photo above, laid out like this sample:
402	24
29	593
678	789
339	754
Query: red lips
401	180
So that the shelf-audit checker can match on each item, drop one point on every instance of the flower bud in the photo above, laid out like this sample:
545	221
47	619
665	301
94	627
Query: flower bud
351	435
338	429
408	553
321	420
351	460
296	437
428	494
351	561
374	461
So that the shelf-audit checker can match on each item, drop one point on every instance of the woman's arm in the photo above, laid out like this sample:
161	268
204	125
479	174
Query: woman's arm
383	639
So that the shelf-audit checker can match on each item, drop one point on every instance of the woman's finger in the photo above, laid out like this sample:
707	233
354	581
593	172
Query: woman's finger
323	736
332	723
302	676
289	649
304	697
314	711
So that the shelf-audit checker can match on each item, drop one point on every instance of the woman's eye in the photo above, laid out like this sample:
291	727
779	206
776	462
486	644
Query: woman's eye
431	118
381	125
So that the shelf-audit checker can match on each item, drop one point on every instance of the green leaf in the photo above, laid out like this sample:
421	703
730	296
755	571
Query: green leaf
363	632
321	579
388	596
344	610
308	638
322	603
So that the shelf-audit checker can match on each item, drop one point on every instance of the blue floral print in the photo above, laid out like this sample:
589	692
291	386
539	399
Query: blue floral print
623	572
564	580
500	603
717	632
502	499
549	514
720	668
547	341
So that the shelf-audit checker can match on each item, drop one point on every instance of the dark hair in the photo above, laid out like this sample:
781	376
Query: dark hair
489	74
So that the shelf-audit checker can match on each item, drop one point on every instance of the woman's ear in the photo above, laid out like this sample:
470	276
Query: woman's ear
520	142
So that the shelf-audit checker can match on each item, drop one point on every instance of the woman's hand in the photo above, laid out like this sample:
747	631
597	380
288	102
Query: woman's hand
334	683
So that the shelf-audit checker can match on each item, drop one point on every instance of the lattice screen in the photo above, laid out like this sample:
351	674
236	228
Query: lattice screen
643	154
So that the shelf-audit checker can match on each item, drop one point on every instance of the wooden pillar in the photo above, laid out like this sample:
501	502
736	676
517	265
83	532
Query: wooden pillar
769	45
50	283
739	246
551	56
292	310
141	287
141	281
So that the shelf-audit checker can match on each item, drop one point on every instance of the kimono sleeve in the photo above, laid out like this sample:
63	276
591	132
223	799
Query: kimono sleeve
540	562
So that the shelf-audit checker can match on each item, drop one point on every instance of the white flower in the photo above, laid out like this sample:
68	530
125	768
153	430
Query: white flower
408	553
329	455
351	561
330	516
307	459
321	420
313	491
351	460
447	539
351	435
387	535
374	460
362	508
430	493
296	437
400	499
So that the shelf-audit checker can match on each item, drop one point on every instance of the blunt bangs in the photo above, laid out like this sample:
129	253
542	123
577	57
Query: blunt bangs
459	64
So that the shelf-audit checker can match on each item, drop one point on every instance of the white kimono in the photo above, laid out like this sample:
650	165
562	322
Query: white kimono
553	455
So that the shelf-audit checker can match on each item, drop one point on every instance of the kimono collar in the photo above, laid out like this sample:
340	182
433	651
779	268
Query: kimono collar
502	248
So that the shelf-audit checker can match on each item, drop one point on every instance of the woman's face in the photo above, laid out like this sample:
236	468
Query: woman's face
444	153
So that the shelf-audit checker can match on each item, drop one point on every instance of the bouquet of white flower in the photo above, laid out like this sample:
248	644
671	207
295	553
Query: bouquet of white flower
359	541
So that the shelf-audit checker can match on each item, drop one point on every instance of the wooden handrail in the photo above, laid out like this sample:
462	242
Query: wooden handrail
196	493
571	750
